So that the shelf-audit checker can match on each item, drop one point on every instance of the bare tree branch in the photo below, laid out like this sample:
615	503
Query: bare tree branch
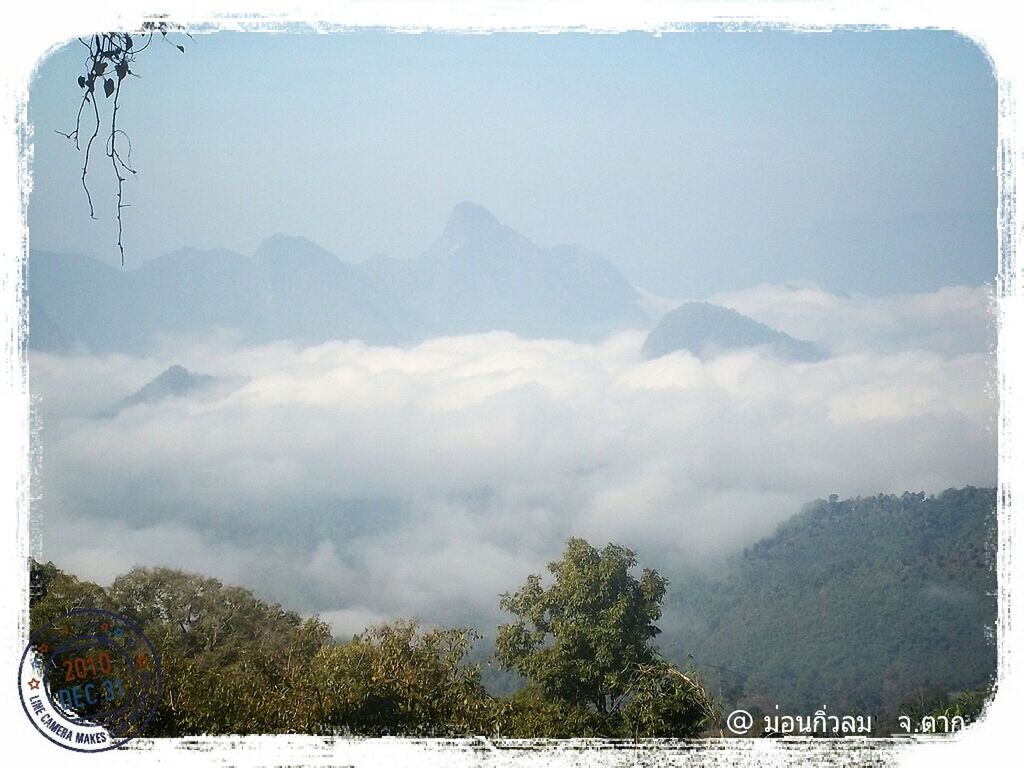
110	61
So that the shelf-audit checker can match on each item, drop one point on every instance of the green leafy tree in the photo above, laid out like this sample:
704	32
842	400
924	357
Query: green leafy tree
396	679
529	714
52	593
584	642
231	662
582	638
667	702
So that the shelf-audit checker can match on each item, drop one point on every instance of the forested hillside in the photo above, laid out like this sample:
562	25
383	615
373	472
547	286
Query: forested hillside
865	603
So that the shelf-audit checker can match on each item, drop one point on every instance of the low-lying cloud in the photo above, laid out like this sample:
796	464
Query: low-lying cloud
951	321
367	483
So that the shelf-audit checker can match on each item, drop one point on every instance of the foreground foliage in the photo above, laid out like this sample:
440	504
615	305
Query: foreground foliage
585	643
880	605
234	664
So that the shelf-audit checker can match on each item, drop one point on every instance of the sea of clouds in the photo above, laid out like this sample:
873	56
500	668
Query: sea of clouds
367	483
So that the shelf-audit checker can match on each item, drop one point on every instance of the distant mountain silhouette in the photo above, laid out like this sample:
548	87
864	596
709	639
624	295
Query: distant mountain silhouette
480	275
44	333
306	294
705	329
176	381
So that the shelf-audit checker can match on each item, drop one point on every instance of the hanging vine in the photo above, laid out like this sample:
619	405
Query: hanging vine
110	61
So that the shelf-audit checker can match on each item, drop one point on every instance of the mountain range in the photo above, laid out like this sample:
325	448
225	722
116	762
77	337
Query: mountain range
479	275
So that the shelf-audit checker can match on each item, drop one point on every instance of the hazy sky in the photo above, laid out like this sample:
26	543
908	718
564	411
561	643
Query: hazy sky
697	162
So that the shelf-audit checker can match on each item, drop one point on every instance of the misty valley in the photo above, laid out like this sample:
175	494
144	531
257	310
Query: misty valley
495	488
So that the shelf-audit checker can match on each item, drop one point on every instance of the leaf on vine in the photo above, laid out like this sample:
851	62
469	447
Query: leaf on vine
180	48
81	82
99	67
122	70
127	42
108	86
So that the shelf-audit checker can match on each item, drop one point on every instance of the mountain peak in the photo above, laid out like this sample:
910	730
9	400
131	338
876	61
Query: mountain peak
175	375
281	240
175	381
293	252
470	221
468	212
705	329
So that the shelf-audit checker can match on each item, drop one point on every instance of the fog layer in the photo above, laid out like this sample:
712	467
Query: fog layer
369	482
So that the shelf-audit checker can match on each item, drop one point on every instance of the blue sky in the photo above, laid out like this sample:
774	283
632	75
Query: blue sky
697	162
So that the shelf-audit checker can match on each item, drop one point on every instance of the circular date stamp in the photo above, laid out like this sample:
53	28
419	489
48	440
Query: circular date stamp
89	680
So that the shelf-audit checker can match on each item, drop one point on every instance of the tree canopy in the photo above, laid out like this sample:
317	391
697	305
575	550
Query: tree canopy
233	663
585	641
